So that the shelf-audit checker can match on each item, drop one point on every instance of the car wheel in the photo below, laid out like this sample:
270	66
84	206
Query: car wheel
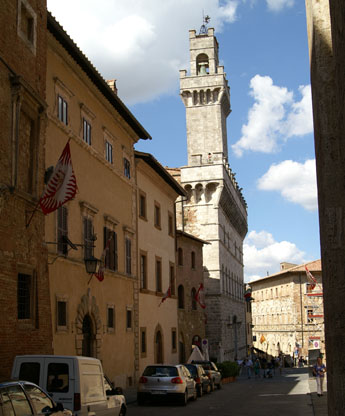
208	391
219	385
212	385
195	394
200	392
122	411
184	398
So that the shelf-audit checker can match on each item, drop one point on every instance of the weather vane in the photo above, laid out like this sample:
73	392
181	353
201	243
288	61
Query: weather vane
205	20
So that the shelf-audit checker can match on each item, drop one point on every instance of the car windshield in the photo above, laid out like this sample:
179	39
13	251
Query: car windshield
160	371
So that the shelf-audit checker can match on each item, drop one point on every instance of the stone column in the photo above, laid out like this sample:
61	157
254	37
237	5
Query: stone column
326	22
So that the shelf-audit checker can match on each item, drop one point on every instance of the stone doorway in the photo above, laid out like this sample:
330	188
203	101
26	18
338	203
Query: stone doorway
89	338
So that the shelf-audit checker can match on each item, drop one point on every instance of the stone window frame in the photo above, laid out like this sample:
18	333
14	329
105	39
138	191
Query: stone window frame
111	329
65	299
110	224
88	212
61	90
29	36
193	260
157	215
129	234
129	318
143	277
31	321
86	119
171	232
142	198
143	333
158	276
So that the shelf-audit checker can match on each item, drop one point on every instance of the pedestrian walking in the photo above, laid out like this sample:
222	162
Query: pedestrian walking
257	368
249	366
319	370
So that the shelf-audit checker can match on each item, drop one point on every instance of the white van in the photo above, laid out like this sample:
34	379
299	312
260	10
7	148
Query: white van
76	382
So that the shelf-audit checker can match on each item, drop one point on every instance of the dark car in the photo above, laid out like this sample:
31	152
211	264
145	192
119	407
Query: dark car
19	398
203	383
212	372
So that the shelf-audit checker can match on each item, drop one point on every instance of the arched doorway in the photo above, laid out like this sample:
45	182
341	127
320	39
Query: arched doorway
88	347
158	348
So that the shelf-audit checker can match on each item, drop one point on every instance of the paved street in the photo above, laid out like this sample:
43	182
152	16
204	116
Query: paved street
288	395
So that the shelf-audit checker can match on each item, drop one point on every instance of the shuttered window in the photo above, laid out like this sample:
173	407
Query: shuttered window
110	240
62	230
88	238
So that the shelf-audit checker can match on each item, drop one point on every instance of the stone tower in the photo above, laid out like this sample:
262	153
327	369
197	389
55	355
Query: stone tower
215	209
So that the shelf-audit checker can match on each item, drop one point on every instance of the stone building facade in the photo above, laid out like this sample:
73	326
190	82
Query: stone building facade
92	317
325	22
215	209
158	324
189	278
24	287
287	312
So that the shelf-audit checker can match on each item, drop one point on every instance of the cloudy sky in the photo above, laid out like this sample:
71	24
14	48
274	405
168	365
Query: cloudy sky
263	46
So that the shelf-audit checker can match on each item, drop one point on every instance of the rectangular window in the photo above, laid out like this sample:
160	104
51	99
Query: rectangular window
109	152
142	205
62	230
172	278
157	215
173	340
170	224
86	132
110	241
110	318
88	237
62	110
129	319
158	275
24	296
143	342
128	256
143	271
127	168
61	314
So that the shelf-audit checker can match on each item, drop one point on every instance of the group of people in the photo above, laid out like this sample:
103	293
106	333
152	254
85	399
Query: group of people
260	366
267	368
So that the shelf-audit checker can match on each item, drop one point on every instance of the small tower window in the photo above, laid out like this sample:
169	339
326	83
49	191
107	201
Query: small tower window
202	64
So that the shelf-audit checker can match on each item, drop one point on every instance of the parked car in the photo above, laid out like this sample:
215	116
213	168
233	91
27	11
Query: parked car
212	372
203	383
77	382
168	382
18	398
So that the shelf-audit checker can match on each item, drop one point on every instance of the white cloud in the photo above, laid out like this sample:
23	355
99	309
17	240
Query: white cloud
295	181
274	117
262	254
277	5
142	44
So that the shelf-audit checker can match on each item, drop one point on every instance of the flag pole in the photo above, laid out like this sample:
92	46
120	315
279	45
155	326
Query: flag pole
32	215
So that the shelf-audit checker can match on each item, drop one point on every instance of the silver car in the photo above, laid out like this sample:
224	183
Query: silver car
168	382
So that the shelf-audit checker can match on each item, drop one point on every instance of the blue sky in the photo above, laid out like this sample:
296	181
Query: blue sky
263	47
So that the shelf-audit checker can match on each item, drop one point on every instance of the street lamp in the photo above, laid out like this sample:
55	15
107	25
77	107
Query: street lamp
91	264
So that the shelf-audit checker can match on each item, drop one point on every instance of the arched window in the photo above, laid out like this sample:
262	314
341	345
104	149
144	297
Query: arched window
180	256
180	293
192	259
193	294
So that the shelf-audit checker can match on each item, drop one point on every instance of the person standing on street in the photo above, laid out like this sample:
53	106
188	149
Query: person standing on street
249	366
319	370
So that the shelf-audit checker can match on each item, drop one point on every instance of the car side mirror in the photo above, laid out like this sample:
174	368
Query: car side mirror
59	407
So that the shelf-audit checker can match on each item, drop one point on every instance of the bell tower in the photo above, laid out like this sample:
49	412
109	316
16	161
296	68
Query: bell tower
206	96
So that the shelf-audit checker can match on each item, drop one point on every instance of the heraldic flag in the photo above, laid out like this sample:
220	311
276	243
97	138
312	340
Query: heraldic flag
62	185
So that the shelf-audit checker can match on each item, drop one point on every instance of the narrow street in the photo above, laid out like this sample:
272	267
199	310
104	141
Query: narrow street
287	394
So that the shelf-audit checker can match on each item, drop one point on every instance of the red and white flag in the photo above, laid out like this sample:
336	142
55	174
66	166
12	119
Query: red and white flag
200	296
311	278
100	272
166	296
62	186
